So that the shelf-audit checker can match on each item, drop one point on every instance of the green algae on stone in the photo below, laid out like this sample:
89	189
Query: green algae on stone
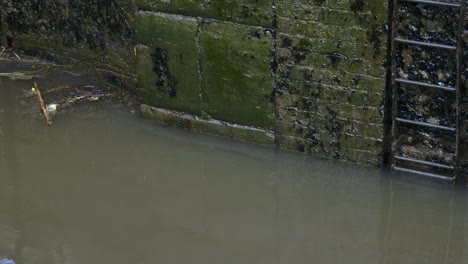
353	54
183	7
305	78
250	12
237	81
331	16
167	61
350	49
330	77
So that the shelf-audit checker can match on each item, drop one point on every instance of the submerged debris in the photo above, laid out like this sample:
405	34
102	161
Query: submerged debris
59	88
67	96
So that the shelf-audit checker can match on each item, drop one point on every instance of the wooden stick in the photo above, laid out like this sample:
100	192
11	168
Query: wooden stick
16	55
44	109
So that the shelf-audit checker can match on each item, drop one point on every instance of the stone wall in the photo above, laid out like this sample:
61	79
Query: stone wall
93	34
311	73
331	77
206	67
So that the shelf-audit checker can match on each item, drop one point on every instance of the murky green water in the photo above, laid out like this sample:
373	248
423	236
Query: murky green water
104	186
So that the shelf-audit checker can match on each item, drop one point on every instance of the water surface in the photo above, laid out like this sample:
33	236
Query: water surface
104	186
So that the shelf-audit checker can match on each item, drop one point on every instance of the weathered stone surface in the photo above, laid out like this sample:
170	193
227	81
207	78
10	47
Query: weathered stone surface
214	127
330	78
237	81
94	34
257	12
167	61
358	7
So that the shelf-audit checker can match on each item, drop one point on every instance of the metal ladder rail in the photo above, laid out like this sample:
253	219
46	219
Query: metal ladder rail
424	162
395	81
394	84
459	55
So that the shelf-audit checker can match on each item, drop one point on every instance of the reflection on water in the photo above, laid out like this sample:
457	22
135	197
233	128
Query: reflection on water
107	187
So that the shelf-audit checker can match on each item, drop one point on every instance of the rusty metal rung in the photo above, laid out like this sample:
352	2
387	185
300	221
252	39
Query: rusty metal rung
427	44
429	163
412	122
422	173
433	3
436	86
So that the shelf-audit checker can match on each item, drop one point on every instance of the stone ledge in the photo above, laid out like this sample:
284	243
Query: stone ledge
211	126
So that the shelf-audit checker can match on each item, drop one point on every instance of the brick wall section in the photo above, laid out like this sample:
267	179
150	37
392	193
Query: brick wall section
331	78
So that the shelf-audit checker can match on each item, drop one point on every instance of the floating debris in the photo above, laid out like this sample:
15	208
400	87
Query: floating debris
52	109
6	261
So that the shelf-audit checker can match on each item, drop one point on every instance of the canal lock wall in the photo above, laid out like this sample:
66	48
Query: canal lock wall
310	76
291	68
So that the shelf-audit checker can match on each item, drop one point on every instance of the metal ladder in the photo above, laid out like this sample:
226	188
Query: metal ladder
445	171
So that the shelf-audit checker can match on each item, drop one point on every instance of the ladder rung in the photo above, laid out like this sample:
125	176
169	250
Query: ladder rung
422	173
436	86
434	164
407	121
430	2
428	44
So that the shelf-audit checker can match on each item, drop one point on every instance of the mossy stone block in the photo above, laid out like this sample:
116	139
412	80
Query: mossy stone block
167	61
259	12
237	82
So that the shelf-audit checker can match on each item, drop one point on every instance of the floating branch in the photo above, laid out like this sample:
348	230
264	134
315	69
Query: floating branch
39	96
